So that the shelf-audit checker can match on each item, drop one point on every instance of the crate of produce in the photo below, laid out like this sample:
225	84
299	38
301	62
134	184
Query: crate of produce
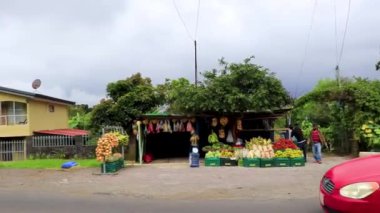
297	162
251	162
282	162
212	162
228	162
264	162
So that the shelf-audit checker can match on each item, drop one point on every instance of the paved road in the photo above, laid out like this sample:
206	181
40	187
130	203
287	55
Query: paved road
166	187
16	202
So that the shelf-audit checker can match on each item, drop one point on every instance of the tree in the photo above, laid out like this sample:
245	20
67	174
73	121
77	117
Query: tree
237	87
343	108
79	116
129	98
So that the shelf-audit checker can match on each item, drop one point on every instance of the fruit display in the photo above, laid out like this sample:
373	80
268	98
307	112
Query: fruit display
213	138
284	144
212	154
105	144
227	153
259	148
289	153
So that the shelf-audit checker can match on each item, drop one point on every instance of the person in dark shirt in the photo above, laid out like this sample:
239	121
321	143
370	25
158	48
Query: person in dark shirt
301	142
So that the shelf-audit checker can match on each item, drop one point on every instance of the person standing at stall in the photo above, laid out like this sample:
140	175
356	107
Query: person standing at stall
317	139
300	140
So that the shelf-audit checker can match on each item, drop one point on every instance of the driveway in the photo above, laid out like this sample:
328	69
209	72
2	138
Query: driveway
175	181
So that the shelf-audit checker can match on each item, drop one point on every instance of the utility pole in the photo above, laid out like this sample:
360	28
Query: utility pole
337	75
196	63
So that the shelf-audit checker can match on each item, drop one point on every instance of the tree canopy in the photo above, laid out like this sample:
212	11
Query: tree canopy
128	98
237	87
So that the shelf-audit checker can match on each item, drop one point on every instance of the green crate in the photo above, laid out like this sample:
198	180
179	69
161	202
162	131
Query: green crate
266	162
282	162
228	162
212	162
112	167
240	162
297	162
251	162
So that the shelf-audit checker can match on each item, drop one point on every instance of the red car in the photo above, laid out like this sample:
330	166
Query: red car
352	186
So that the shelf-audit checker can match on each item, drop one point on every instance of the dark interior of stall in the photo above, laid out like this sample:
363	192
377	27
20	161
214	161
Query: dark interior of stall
175	144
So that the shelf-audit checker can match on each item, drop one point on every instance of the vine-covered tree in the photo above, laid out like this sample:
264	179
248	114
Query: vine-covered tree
343	108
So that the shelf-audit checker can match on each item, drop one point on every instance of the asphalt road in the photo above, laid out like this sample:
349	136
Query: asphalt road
19	201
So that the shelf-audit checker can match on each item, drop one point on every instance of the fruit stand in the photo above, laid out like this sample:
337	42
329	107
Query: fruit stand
258	152
106	151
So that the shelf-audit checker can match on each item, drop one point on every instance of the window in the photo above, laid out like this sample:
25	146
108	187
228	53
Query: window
51	108
12	113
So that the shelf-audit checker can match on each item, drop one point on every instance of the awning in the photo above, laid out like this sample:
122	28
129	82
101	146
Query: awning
67	132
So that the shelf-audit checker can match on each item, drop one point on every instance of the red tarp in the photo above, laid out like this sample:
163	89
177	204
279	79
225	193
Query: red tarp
67	132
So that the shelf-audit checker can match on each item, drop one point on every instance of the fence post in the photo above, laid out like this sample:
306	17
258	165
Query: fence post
28	146
79	145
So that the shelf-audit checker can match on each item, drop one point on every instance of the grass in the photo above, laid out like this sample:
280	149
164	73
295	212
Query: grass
47	163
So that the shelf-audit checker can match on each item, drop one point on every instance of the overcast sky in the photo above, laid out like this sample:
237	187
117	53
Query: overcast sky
77	47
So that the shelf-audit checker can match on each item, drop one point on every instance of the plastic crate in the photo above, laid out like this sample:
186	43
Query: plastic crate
264	163
251	162
212	162
112	167
228	162
240	162
297	162
282	162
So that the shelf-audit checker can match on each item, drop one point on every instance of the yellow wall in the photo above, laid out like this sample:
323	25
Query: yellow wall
39	117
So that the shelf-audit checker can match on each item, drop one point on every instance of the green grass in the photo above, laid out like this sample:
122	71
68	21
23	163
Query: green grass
47	163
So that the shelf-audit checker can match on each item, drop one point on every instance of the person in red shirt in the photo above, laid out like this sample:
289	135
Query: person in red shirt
317	139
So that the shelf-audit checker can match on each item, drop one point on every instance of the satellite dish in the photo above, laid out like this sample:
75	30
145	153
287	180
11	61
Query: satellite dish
36	84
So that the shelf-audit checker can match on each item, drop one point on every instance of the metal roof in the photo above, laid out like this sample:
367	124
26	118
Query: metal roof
67	132
34	95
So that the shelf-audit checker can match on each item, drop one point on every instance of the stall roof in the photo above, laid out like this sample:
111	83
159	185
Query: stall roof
162	112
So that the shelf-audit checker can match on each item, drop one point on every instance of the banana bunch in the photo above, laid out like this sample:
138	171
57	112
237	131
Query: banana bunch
226	154
213	138
289	153
258	141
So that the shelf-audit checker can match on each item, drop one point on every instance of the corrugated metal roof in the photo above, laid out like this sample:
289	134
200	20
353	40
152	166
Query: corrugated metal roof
67	132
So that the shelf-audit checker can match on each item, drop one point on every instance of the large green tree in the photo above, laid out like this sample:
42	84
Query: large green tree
128	98
236	87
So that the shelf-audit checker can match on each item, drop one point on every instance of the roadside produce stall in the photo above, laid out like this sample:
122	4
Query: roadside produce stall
224	140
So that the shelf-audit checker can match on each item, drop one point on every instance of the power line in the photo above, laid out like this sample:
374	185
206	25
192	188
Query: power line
345	31
339	57
336	34
307	43
183	22
197	21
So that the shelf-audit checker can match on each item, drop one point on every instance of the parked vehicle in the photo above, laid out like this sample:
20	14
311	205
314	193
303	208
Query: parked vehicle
352	186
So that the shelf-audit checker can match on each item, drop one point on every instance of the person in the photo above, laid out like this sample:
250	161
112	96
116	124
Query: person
300	140
317	139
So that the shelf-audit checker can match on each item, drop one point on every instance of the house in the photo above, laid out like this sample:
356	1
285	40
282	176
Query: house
24	113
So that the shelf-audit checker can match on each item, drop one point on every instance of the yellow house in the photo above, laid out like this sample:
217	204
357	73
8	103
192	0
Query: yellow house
22	113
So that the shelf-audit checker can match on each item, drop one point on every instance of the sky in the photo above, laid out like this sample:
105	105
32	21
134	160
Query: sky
77	47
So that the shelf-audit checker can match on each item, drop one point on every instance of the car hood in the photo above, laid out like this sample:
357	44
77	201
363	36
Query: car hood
356	170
